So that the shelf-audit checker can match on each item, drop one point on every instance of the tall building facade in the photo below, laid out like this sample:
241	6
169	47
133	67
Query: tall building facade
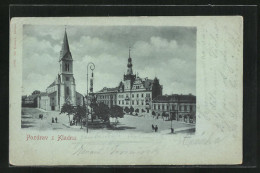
63	89
107	96
132	91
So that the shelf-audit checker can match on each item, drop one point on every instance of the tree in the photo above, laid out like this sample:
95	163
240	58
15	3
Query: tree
156	88
136	111
67	109
131	110
163	115
80	113
153	113
102	111
127	110
116	112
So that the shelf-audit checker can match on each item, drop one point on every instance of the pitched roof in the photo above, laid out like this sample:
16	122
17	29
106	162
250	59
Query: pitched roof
148	83
43	94
79	94
175	98
65	49
52	93
108	90
52	84
32	97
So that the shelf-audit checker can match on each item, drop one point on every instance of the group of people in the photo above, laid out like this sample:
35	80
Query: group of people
155	128
56	119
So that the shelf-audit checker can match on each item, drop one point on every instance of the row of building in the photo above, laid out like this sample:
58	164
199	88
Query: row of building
143	94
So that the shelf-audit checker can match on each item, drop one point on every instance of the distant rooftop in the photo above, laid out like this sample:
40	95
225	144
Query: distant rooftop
108	90
175	98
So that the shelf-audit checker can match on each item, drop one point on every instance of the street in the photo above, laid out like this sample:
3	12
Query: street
31	120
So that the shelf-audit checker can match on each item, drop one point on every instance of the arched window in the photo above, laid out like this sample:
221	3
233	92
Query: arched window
68	67
68	91
65	67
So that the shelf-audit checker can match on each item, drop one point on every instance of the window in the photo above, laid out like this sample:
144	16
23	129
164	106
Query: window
173	107
185	108
133	102
122	102
127	102
137	95
133	95
67	67
67	78
142	102
119	102
159	107
162	107
179	108
154	106
142	95
167	107
190	107
137	102
68	91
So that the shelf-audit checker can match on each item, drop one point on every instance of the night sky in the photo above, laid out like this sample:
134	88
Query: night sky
166	52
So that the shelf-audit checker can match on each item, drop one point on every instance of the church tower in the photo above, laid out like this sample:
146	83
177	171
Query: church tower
129	65
129	77
67	91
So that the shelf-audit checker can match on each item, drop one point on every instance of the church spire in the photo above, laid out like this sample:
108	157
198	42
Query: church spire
65	49
129	52
129	74
129	64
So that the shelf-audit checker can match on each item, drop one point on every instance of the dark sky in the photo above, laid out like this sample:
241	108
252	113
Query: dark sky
166	52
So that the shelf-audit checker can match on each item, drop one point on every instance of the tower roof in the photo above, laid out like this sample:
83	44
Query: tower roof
65	49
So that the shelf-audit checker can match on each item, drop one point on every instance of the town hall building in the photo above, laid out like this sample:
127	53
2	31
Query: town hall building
63	88
132	91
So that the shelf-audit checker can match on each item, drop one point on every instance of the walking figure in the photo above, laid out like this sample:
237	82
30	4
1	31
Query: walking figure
52	120
56	119
172	130
156	128
153	127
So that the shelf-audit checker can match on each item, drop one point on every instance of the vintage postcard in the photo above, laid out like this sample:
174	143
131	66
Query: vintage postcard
126	91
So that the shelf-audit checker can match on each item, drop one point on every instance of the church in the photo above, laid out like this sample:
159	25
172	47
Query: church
63	88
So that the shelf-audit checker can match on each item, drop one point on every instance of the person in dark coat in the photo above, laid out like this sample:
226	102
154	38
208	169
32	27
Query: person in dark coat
56	119
156	128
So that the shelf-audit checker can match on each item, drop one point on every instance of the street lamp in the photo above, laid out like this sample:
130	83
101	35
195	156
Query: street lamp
90	66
